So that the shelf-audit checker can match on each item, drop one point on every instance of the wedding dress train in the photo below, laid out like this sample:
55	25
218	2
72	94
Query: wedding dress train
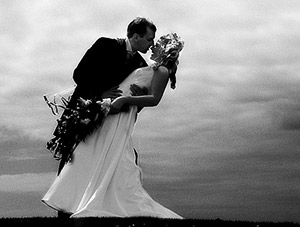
103	178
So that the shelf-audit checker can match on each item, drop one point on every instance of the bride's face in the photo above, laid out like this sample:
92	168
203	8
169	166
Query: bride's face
156	49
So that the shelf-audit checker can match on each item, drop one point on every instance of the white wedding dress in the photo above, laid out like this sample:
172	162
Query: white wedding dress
103	179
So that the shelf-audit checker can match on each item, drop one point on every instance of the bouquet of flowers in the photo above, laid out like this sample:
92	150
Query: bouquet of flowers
75	124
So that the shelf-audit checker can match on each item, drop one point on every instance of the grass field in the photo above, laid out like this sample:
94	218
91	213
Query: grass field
132	222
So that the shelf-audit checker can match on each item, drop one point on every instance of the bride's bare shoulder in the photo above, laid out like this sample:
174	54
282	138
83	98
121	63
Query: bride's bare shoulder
162	70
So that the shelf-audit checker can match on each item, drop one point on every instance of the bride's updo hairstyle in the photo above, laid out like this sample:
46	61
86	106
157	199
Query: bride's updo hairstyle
169	47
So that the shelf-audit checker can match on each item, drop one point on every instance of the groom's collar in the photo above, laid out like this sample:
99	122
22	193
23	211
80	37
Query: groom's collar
128	46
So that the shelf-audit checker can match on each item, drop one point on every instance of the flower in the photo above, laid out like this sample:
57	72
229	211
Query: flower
168	46
105	105
75	124
84	102
85	121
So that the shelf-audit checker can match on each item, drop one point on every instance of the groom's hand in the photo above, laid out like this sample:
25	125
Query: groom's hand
112	93
137	90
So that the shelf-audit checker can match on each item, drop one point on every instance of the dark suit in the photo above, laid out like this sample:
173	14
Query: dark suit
102	67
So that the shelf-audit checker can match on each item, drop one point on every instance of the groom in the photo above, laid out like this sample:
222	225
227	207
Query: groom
109	61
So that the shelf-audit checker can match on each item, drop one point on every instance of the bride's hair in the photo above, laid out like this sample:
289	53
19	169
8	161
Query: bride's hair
170	45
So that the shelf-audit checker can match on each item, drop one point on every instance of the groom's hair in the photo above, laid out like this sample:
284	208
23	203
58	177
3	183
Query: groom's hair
139	26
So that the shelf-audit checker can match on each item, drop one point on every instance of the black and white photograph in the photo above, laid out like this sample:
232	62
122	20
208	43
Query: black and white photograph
150	113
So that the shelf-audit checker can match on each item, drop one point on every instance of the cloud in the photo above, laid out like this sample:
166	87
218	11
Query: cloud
23	153
27	182
219	184
27	204
286	112
16	143
225	140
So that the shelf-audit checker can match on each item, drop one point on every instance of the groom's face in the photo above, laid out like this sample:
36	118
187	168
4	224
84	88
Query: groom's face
145	42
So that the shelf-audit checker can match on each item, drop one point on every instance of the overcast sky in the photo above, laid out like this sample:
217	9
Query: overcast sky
224	144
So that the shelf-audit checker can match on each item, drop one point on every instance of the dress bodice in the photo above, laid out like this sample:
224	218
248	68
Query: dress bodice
141	77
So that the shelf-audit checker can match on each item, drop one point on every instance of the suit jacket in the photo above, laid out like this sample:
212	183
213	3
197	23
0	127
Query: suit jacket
102	67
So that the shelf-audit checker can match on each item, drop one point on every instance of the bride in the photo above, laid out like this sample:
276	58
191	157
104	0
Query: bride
103	178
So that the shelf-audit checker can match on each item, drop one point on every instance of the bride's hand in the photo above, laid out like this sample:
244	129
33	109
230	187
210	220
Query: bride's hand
116	105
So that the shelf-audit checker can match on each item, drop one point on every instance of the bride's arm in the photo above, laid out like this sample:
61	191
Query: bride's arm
159	82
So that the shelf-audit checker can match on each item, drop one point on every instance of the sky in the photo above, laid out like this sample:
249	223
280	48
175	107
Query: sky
224	144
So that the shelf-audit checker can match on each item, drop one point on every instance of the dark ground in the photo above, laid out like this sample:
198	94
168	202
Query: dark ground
133	222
